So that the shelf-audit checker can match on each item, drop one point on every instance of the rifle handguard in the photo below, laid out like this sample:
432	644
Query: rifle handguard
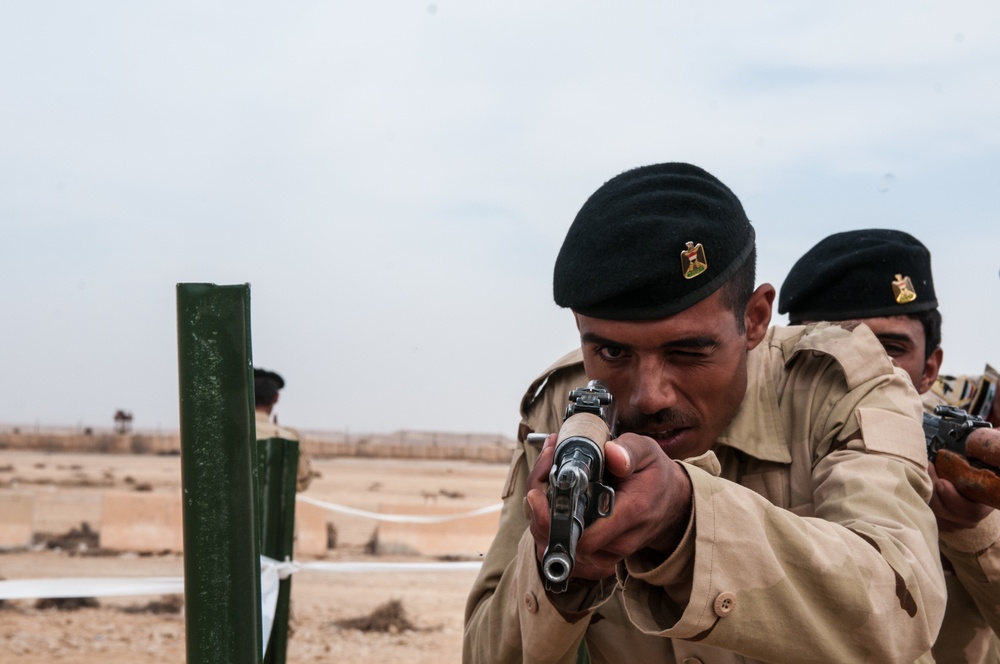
576	495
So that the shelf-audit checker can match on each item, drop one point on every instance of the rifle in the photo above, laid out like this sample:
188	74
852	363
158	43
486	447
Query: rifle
965	450
576	495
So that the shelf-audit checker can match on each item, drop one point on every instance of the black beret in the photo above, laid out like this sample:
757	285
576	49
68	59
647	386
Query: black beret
651	242
859	274
266	383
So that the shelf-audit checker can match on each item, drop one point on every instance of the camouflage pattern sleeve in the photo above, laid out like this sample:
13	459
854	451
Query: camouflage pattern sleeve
973	616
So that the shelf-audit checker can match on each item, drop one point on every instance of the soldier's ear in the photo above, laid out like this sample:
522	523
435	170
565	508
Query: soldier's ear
931	367
757	317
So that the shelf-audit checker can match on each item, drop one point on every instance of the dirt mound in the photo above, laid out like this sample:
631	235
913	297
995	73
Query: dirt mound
168	605
67	603
388	617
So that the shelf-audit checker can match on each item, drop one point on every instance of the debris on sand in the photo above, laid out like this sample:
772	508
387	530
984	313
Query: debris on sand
77	539
389	617
376	547
67	603
167	605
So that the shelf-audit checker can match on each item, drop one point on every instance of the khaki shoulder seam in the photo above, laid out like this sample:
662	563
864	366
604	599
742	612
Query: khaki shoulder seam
570	359
854	347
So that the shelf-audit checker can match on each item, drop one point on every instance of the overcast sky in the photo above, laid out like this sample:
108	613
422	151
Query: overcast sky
394	180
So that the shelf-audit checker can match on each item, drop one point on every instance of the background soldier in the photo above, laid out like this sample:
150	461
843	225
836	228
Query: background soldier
853	277
266	385
976	394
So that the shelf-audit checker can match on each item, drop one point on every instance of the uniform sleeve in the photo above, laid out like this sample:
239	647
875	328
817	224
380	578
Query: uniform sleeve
763	575
303	473
965	637
975	556
858	579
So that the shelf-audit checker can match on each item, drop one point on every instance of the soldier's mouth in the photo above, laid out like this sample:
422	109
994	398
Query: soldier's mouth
669	440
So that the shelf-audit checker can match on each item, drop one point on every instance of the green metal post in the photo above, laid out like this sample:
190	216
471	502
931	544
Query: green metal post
278	462
221	559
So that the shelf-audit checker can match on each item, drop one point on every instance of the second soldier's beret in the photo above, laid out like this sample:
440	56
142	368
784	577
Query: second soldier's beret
859	274
651	242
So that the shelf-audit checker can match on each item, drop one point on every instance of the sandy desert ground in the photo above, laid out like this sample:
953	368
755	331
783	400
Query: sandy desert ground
131	629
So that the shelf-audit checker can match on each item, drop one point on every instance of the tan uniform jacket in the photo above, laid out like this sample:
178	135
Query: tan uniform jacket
810	540
972	571
268	429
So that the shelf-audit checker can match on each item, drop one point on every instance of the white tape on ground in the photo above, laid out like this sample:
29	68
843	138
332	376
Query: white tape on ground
391	567
400	518
90	587
271	572
173	585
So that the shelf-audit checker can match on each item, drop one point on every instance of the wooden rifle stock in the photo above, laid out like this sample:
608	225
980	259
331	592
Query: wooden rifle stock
965	450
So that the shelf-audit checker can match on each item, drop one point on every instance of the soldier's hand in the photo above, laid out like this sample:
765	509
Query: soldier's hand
651	511
653	493
537	499
952	510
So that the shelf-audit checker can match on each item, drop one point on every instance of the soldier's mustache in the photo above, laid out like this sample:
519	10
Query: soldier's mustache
663	420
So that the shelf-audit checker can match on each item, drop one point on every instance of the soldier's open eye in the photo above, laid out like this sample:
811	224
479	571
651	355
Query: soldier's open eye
610	352
894	350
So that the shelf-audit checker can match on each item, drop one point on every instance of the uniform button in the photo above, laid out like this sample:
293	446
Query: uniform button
691	660
724	604
530	602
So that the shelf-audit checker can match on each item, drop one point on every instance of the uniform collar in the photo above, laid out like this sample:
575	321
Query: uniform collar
756	430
